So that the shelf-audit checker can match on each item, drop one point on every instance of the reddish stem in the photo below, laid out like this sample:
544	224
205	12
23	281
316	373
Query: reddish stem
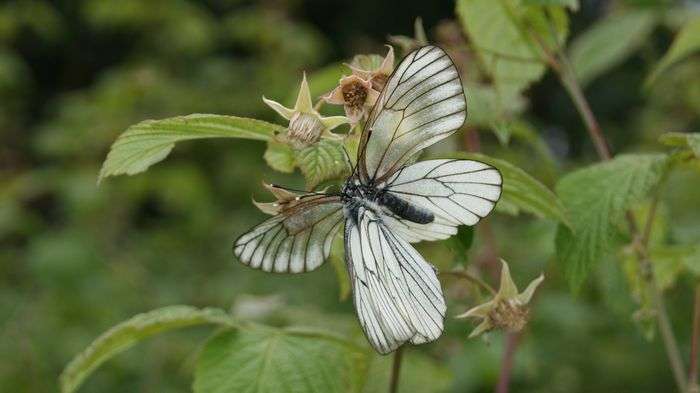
512	340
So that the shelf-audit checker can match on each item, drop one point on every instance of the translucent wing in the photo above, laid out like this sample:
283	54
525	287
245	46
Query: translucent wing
457	192
422	103
294	241
396	292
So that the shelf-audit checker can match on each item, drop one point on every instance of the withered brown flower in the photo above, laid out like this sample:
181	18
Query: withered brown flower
374	68
355	94
508	309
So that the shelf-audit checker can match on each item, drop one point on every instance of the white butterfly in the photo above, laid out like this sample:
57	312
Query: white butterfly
385	205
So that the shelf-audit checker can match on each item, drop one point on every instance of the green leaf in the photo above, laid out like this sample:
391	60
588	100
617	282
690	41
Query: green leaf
692	260
419	373
337	259
150	141
521	191
609	42
685	140
503	32
461	243
123	336
269	360
570	4
279	157
598	197
687	42
322	161
669	261
487	106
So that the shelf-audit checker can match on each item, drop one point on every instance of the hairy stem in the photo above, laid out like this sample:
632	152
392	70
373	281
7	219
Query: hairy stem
563	68
568	80
395	371
507	362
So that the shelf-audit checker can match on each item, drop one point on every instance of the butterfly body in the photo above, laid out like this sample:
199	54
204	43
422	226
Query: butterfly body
386	204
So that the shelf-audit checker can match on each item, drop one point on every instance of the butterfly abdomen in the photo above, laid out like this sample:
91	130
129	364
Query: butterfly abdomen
405	209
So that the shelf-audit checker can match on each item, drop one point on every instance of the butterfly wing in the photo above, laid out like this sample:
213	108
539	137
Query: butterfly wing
396	292
422	103
457	192
294	241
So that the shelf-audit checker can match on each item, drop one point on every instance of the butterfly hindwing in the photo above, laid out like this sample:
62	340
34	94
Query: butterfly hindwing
457	192
293	241
423	102
396	292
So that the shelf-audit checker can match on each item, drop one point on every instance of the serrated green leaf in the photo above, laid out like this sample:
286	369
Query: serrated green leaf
594	52
322	161
123	336
337	259
679	139
521	191
269	360
687	42
597	198
502	33
150	141
419	373
279	157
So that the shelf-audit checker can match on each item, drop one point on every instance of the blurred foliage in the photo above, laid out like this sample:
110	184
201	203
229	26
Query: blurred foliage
76	259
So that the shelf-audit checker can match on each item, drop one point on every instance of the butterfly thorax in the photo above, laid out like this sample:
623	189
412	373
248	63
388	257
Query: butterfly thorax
356	194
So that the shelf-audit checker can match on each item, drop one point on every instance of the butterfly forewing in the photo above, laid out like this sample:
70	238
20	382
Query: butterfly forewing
422	103
294	241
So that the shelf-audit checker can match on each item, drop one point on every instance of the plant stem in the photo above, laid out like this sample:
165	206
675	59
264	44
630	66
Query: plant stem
395	371
563	67
507	362
568	79
693	369
668	338
473	279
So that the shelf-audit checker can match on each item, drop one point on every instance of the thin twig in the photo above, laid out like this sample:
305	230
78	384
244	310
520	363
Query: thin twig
668	338
507	361
693	369
473	279
395	371
568	80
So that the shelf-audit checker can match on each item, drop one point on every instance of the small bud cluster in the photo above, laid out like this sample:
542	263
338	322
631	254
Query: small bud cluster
508	310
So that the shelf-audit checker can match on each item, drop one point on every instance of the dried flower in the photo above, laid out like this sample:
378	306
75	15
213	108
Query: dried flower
355	94
508	309
306	125
374	68
285	200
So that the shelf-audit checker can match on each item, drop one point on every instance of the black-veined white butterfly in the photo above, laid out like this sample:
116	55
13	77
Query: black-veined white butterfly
386	204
